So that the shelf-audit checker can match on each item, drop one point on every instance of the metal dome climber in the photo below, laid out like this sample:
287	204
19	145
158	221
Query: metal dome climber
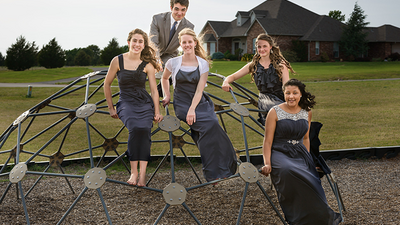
54	131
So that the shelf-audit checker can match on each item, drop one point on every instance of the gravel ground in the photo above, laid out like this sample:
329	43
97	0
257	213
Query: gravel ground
370	191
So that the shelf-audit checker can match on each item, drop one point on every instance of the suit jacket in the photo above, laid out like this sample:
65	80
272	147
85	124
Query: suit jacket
159	35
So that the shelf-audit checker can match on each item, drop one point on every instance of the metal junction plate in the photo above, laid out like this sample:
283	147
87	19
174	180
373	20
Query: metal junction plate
239	109
18	173
95	178
248	172
174	194
86	111
169	123
21	118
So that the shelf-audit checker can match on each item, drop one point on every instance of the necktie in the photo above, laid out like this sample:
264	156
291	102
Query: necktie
172	31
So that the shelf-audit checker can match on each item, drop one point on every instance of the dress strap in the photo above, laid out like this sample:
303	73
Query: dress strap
121	61
141	66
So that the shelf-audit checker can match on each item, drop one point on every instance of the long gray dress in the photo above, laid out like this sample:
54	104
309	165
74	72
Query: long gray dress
217	154
294	176
270	86
135	108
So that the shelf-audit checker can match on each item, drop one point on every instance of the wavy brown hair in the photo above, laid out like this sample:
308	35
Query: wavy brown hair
198	50
148	53
276	57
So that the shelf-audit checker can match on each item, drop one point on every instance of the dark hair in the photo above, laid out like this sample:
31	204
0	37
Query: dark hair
148	53
307	99
182	2
276	57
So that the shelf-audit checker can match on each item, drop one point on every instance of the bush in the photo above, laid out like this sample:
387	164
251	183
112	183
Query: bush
22	55
52	55
290	56
217	55
394	56
247	57
324	57
300	48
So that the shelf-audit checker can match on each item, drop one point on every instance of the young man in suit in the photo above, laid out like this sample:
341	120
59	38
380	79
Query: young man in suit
164	30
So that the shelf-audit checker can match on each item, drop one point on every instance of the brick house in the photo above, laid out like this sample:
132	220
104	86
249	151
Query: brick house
286	22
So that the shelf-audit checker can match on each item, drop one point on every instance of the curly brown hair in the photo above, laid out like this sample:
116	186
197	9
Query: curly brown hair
148	53
275	56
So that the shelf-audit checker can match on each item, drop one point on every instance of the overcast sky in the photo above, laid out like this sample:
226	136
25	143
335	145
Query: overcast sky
79	23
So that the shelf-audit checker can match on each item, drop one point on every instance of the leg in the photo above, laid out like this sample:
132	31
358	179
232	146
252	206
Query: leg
134	173
142	174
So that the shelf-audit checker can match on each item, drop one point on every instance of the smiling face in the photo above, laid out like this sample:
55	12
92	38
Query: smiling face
136	44
263	48
292	95
178	11
187	43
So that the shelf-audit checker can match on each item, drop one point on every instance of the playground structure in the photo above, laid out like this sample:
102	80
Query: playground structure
61	126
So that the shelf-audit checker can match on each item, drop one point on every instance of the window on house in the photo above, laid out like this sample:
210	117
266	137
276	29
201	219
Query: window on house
317	48
205	47
254	45
336	50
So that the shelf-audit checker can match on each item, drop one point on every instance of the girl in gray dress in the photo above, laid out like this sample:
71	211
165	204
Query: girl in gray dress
189	77
136	108
269	70
287	158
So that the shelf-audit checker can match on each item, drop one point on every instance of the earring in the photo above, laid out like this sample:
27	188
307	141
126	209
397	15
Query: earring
272	52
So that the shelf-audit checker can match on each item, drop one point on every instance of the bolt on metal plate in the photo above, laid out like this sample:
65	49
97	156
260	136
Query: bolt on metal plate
95	178
239	109
86	111
248	172
18	173
174	194
169	123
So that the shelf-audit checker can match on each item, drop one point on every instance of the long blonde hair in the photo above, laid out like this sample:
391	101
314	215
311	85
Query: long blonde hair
198	50
148	53
275	56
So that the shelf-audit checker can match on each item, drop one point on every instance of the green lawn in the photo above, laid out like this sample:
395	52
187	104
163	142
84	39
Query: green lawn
354	113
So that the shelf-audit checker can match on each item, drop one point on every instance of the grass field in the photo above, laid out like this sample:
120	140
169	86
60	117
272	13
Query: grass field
355	113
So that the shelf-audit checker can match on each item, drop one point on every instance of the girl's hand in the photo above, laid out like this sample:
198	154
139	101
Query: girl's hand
225	86
166	101
266	170
191	117
113	113
158	118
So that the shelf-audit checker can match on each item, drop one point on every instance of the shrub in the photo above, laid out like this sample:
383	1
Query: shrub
247	57
22	55
394	56
324	57
290	56
217	55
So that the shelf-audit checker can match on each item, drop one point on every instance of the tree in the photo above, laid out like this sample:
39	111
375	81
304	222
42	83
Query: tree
110	51
337	14
70	56
22	55
94	52
2	60
82	59
52	55
353	41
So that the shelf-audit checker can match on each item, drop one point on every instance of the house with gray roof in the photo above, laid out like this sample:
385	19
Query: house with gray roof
288	22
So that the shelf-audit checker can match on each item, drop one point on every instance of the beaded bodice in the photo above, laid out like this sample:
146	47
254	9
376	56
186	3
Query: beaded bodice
282	114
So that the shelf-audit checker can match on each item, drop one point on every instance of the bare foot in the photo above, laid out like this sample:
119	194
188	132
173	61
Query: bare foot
132	180
142	180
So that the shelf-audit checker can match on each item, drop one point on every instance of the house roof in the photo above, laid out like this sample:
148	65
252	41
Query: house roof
284	18
385	33
209	38
324	29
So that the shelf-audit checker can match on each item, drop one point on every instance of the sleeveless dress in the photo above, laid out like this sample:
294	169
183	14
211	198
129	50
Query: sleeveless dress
270	87
294	176
217	153
135	108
